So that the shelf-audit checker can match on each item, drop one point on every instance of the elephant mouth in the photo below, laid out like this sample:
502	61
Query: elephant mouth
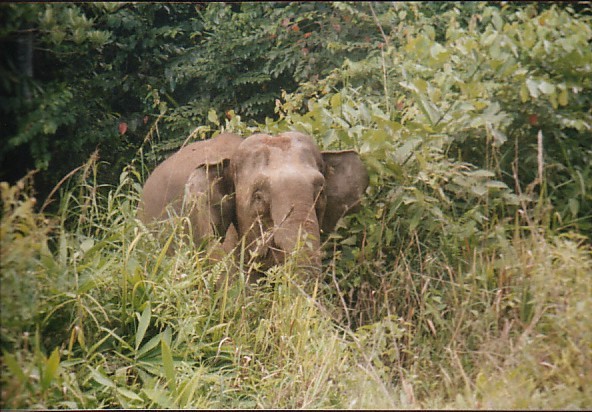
305	262
266	253
269	251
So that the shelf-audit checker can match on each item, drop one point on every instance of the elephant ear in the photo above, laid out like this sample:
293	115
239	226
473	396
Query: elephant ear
212	182
346	180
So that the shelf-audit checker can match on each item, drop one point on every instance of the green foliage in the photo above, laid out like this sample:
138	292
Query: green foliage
464	281
104	75
115	325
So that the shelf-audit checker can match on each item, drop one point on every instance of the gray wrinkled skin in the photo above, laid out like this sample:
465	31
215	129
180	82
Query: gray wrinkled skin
274	191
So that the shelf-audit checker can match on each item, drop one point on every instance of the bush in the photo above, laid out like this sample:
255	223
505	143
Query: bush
462	283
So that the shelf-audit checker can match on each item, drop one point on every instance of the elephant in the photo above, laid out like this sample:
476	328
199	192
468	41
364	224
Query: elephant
169	184
278	193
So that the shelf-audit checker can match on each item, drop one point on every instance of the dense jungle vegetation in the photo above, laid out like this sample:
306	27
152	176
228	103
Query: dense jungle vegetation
464	282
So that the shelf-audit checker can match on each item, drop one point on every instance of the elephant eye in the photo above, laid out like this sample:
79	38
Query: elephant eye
259	201
258	197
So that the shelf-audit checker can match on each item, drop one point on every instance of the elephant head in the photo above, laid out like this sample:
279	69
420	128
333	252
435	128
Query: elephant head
286	188
276	190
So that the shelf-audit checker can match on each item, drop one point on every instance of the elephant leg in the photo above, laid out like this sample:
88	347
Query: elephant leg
232	246
211	209
230	240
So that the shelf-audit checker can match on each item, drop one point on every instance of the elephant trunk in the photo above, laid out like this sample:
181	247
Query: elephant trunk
297	229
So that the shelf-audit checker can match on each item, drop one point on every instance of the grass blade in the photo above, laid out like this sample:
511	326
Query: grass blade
143	325
169	367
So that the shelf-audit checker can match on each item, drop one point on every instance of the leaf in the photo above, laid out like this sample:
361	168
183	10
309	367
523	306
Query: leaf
533	87
129	394
563	97
335	102
168	365
546	87
350	241
479	190
499	138
160	397
524	95
148	346
436	50
429	109
574	206
51	368
80	337
13	366
497	21
100	378
87	244
122	128
167	335
480	173
496	184
143	325
50	127
213	117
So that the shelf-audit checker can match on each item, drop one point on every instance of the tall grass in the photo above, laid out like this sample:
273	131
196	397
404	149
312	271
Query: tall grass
96	315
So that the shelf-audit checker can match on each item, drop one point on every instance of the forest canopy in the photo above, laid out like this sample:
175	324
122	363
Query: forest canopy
463	282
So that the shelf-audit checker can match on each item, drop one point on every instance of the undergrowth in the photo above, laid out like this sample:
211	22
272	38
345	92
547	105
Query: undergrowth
95	315
464	281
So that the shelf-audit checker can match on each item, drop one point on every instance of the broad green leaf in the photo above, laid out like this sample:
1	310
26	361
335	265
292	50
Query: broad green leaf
496	184
129	394
168	365
350	241
497	20
100	378
148	346
80	337
524	95
51	368
533	87
13	366
436	50
563	97
420	85
143	325
429	109
480	173
87	244
574	206
213	117
160	397
499	138
336	101
546	87
479	190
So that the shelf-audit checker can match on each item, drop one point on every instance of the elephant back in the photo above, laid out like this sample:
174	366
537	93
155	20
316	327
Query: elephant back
166	183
